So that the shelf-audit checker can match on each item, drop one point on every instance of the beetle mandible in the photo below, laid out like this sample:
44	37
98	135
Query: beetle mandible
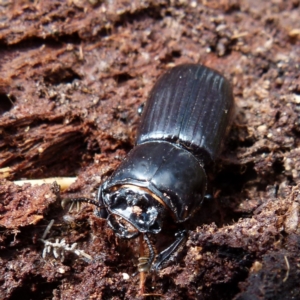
163	178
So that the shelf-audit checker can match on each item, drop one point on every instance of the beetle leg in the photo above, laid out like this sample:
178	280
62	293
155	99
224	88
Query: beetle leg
71	201
101	210
141	109
166	255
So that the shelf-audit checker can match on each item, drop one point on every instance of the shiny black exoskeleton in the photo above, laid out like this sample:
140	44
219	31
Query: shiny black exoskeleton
182	128
163	177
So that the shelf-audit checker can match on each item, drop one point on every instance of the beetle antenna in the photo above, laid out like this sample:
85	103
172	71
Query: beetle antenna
147	255
72	201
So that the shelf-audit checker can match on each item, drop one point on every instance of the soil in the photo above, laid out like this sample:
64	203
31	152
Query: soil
72	77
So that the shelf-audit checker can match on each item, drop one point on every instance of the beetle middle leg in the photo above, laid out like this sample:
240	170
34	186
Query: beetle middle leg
164	256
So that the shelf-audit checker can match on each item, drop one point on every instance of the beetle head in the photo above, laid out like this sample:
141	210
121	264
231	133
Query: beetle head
132	210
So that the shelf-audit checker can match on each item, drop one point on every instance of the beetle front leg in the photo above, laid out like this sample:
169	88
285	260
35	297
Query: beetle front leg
100	211
164	256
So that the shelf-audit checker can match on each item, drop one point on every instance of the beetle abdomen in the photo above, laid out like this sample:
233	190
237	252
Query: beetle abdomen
190	105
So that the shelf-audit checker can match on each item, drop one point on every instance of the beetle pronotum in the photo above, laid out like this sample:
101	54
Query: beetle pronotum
162	181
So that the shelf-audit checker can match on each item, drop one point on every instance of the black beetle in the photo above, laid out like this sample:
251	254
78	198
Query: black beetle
163	178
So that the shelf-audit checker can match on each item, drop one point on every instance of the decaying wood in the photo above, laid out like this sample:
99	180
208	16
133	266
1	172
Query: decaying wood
72	76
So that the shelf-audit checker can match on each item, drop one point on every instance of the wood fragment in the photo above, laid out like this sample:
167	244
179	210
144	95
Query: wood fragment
63	182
